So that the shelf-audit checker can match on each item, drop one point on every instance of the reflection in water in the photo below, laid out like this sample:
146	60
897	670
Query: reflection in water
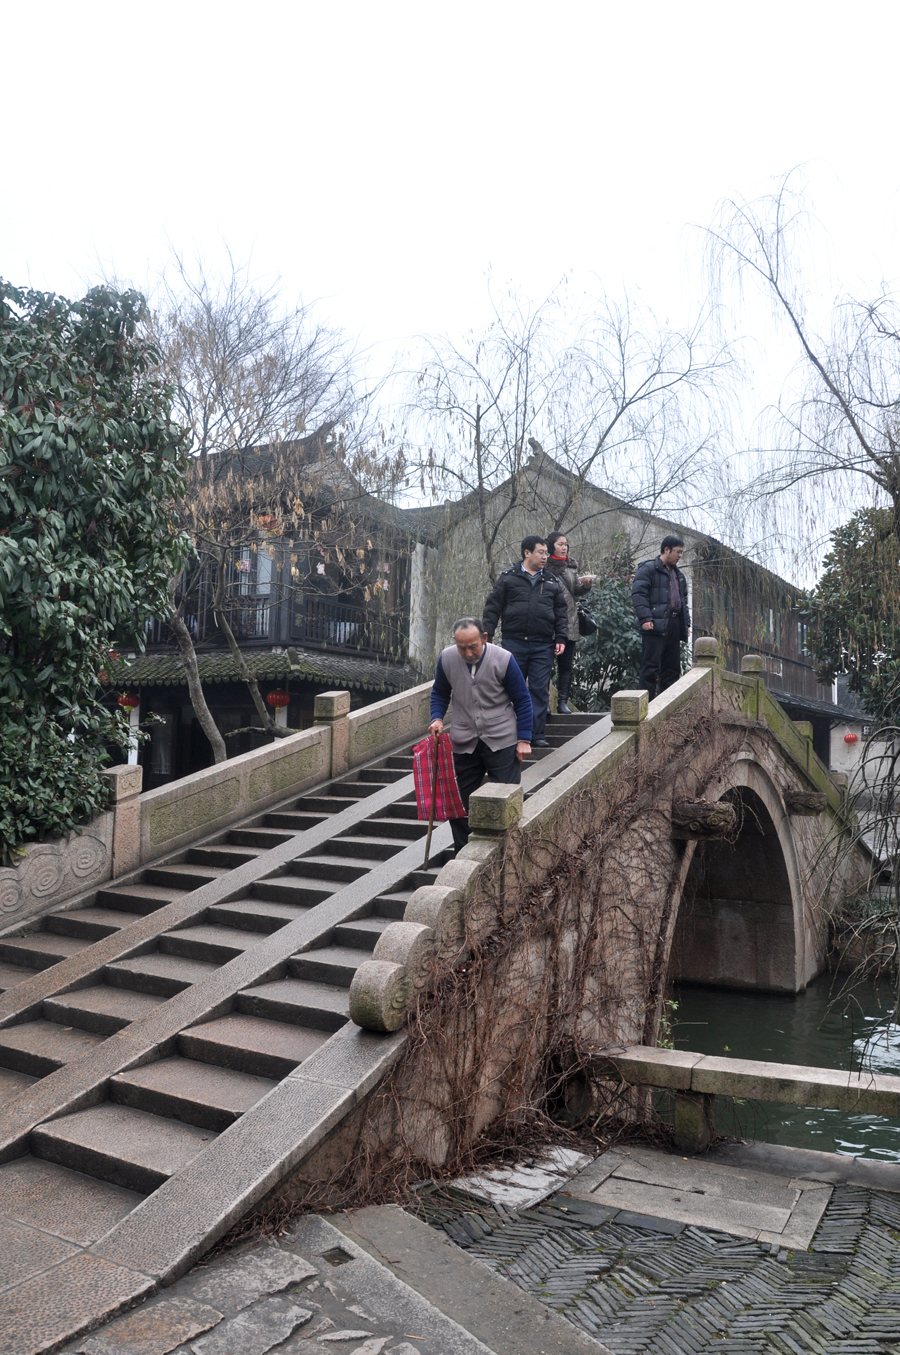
804	1029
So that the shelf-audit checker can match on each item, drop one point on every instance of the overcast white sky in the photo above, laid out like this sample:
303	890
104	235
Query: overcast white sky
383	157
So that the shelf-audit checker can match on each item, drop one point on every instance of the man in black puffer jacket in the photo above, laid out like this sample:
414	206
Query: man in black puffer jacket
531	608
659	594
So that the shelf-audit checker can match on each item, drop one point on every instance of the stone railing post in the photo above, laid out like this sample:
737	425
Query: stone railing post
694	1124
494	808
805	730
125	782
752	666
628	711
706	652
332	709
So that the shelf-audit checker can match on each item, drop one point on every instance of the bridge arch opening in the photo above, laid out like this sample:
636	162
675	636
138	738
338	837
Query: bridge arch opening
737	925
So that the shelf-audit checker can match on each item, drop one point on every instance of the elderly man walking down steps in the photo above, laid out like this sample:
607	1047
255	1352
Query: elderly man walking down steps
491	730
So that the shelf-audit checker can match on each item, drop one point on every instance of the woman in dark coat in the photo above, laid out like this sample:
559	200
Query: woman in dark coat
564	567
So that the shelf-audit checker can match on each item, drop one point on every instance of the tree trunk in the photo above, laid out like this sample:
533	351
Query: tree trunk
195	689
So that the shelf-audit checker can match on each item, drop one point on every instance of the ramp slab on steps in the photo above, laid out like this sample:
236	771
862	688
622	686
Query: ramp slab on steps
501	1317
765	1206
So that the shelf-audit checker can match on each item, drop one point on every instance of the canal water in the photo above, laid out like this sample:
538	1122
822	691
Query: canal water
810	1029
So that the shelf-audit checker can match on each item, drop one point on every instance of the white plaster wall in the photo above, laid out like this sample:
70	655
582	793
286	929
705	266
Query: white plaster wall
422	642
846	757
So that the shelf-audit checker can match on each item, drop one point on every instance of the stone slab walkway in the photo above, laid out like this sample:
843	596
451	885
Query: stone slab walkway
659	1282
586	1271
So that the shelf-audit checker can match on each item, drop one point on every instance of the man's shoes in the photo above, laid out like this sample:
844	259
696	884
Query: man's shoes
539	743
563	708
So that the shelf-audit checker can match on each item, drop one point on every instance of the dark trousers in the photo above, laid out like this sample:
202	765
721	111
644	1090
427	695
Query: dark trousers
564	664
471	770
661	657
535	658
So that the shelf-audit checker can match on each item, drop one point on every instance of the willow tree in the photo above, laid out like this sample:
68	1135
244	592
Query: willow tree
856	608
89	458
836	429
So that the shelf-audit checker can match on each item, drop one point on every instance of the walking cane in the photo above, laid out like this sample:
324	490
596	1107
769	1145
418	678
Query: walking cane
434	772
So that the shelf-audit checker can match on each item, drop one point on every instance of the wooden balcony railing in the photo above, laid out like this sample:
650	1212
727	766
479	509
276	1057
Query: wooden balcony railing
326	624
304	619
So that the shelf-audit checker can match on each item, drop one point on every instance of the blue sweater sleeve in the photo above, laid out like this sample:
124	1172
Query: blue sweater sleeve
441	693
521	699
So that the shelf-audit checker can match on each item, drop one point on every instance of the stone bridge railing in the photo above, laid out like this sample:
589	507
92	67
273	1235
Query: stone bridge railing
141	828
385	986
695	1079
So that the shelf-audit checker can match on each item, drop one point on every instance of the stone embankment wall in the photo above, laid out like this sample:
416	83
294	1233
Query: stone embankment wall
142	828
548	940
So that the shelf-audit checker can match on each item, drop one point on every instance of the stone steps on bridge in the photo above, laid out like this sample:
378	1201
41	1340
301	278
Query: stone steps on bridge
234	1040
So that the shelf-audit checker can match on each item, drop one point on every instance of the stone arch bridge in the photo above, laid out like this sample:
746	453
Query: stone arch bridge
244	986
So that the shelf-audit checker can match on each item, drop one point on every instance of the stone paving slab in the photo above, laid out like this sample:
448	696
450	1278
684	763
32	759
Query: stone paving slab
691	1174
771	1207
642	1283
388	1296
154	1329
507	1321
38	1314
234	1282
309	1291
61	1201
740	1217
255	1332
27	1251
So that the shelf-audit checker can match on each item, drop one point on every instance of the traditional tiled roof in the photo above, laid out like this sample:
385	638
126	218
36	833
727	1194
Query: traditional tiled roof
167	670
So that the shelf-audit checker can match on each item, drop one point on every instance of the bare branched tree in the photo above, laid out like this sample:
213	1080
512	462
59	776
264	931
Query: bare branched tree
246	369
841	426
279	436
611	396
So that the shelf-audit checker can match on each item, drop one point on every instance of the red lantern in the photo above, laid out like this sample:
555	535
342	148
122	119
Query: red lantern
851	737
278	699
128	701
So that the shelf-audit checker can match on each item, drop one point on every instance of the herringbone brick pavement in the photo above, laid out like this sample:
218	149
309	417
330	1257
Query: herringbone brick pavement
650	1285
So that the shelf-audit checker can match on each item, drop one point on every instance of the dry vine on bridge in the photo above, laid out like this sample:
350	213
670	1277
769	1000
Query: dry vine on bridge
565	954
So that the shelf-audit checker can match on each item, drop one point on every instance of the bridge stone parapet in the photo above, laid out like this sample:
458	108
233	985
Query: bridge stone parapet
140	829
51	872
703	1076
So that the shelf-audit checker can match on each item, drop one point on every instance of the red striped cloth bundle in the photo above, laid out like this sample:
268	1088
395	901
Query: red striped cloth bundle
447	801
